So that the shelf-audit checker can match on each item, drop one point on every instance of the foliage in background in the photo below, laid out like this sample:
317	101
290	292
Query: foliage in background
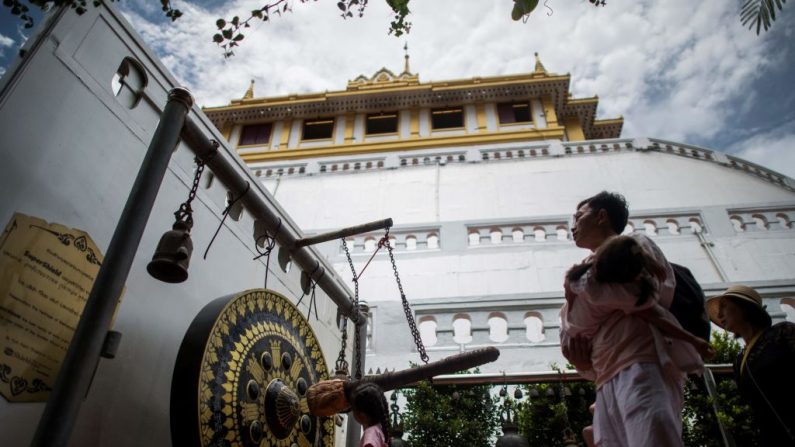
761	13
550	408
700	427
434	416
450	416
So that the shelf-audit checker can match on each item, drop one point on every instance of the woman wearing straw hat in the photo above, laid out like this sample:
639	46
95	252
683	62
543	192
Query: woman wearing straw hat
765	368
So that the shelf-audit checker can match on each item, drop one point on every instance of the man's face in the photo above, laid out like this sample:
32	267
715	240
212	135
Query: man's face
585	229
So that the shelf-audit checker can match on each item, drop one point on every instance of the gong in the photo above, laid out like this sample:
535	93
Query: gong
242	373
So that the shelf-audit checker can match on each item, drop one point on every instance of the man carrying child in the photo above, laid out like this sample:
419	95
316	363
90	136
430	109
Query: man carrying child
617	331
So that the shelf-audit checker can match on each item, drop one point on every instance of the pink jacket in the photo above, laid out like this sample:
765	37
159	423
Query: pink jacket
373	437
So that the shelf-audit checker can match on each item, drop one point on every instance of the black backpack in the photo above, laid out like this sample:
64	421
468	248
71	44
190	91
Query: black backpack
689	304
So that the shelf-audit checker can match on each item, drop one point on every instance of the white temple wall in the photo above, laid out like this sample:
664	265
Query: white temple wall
476	235
519	188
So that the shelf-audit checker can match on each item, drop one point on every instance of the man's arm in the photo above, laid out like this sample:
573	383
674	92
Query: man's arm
578	352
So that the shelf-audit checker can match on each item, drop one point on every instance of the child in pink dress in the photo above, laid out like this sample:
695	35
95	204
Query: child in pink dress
629	275
370	409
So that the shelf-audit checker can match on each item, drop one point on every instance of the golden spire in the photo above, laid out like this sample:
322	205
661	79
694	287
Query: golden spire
250	92
539	66
406	66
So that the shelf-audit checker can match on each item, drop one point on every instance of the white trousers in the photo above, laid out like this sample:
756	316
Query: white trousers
639	407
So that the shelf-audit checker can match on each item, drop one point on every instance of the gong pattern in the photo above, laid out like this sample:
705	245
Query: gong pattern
260	356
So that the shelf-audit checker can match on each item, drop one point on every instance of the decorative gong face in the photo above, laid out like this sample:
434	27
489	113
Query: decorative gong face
242	373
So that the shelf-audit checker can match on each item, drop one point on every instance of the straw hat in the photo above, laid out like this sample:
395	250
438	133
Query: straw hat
737	291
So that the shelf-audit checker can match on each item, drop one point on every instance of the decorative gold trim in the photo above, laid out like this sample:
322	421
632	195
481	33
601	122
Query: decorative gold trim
407	145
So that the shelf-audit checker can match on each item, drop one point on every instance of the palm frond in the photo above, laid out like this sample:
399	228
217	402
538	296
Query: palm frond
761	13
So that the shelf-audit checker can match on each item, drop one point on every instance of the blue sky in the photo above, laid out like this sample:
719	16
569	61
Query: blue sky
676	69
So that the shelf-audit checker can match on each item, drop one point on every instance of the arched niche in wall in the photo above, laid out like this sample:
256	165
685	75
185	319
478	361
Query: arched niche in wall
498	327
427	328
432	240
462	329
534	327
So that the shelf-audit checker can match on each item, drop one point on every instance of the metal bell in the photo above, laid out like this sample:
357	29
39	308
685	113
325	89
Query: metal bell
511	437
172	255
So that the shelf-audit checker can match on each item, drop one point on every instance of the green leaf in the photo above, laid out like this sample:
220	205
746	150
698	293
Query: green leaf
227	33
218	38
235	20
220	23
517	12
238	38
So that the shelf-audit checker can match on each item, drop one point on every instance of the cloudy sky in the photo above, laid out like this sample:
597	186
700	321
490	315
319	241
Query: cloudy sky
675	69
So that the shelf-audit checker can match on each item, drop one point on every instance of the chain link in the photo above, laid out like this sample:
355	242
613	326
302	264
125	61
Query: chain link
185	211
406	308
342	364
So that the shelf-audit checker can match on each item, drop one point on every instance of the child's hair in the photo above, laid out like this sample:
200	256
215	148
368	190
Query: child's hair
368	398
621	260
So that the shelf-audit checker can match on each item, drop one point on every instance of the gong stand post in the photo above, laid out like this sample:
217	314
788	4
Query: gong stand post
345	232
74	377
354	429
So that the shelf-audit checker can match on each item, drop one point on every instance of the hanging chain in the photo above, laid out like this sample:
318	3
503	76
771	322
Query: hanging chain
357	338
406	308
185	211
342	364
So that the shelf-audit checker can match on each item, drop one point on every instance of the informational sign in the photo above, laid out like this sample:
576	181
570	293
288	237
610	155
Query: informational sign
46	273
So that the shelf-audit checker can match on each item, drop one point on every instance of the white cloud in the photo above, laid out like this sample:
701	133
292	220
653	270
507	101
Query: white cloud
670	68
775	150
5	42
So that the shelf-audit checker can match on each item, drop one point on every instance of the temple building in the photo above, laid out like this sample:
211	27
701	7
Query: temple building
481	177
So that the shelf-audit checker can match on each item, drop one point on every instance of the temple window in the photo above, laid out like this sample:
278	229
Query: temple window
255	134
447	118
382	123
514	112
319	129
